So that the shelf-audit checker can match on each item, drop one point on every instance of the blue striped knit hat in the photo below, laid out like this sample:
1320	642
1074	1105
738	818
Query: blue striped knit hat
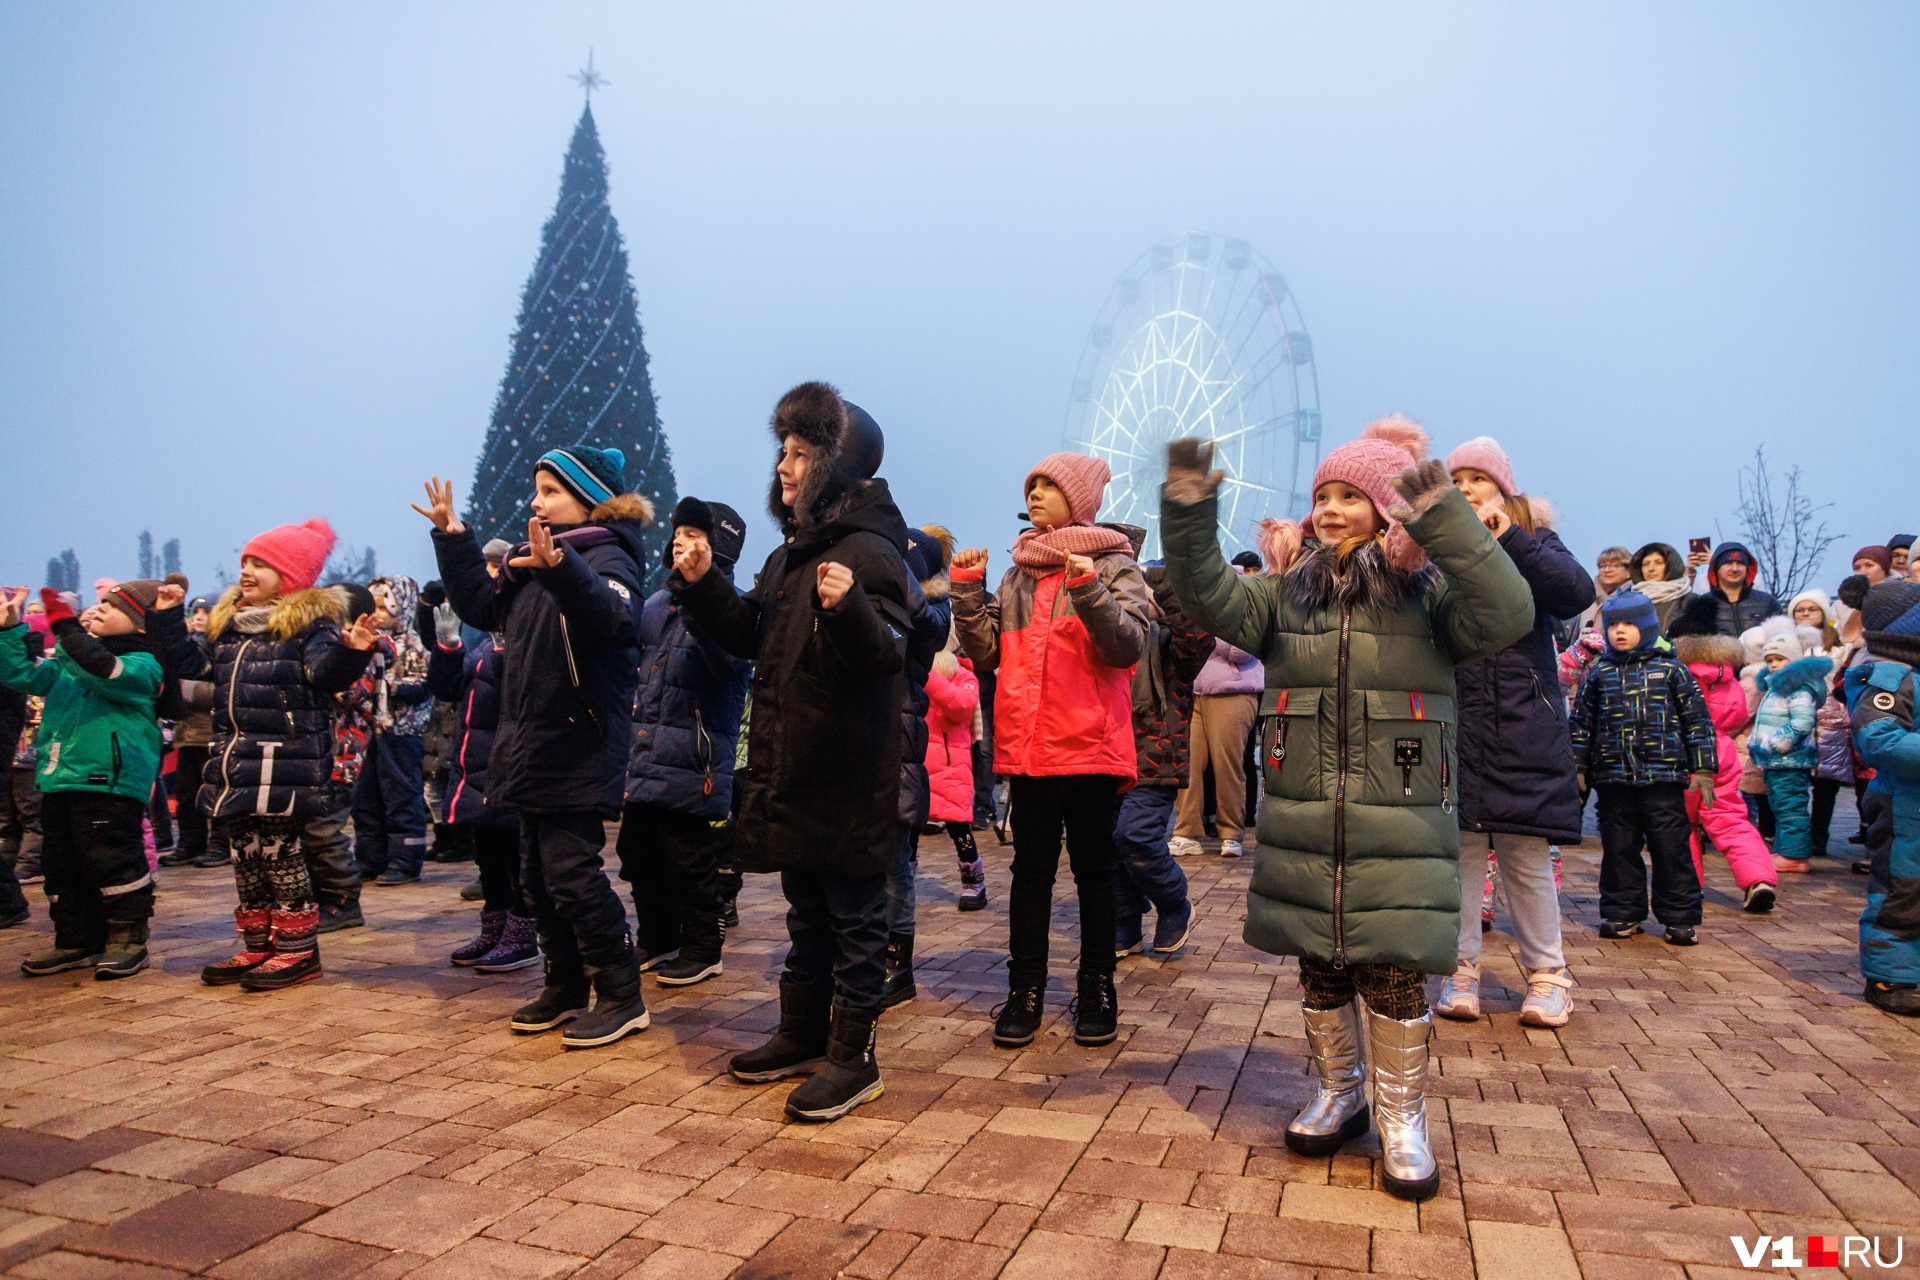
1631	606
589	474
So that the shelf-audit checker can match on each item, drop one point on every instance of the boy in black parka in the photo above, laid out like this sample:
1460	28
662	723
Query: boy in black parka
566	605
819	802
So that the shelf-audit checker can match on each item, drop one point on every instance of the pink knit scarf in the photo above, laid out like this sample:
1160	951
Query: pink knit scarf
1043	552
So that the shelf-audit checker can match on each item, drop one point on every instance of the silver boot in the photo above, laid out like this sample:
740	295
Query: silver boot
1338	1112
1400	1104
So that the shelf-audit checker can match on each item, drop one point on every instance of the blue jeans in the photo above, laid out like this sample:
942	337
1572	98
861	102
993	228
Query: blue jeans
900	883
1143	871
838	929
389	807
1787	795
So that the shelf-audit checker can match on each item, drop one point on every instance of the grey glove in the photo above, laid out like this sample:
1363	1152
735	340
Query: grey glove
1422	485
1188	477
446	626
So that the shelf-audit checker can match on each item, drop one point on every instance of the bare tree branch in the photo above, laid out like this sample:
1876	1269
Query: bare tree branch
1782	527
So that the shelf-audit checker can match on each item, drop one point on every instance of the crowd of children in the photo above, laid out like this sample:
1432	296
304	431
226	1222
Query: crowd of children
1418	684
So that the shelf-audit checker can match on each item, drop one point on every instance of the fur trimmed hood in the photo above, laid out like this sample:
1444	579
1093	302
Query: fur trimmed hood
1372	578
292	613
1802	674
623	506
1709	651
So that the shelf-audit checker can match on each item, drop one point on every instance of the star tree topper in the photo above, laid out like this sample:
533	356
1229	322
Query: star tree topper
589	79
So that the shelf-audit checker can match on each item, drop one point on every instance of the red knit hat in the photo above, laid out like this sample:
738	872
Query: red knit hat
1080	477
1386	447
1483	453
297	552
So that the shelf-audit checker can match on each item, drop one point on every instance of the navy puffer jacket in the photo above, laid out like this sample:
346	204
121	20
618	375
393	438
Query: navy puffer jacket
273	687
468	680
686	715
1517	772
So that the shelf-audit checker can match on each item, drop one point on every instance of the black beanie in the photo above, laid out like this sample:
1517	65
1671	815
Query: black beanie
726	531
925	557
1853	590
1891	620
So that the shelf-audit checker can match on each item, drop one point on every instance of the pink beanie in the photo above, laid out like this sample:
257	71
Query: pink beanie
296	551
1483	453
1082	478
1386	447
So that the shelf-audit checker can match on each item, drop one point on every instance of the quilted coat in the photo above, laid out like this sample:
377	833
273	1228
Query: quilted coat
1642	719
467	679
686	715
951	704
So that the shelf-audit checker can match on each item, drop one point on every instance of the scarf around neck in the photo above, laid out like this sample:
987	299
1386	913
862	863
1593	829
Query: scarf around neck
1041	552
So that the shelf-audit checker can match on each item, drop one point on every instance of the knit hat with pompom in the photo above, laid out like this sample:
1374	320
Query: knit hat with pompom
297	552
1386	447
1081	479
1483	453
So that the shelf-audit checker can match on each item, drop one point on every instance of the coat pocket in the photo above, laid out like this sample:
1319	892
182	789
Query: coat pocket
1408	742
1291	744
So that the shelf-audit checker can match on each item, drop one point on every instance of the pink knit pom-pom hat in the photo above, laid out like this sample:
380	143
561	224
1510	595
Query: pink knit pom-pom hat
1386	447
1483	453
297	552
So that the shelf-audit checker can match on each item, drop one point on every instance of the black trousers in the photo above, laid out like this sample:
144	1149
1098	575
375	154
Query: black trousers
668	860
189	764
328	852
95	860
563	886
1826	791
160	816
838	929
496	854
1653	817
1081	807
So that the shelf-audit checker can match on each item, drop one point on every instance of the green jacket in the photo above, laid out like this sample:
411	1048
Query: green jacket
95	734
1359	848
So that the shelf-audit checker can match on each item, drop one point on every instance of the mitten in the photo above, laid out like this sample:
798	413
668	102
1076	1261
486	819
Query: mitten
57	605
1422	486
1188	477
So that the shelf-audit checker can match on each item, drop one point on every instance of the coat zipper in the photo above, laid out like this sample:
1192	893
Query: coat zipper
573	672
1340	798
233	727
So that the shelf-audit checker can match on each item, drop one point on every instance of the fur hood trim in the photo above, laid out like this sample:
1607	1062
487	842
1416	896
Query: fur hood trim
623	506
938	587
1802	674
1713	651
1373	578
292	613
1544	516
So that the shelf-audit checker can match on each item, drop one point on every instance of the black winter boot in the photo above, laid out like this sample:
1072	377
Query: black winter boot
563	998
849	1077
1096	1013
126	952
1016	1022
800	1043
1900	998
619	1010
898	988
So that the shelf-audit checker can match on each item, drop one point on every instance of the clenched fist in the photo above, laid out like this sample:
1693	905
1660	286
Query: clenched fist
832	581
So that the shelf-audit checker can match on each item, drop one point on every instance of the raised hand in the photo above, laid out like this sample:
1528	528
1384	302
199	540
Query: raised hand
1079	566
439	508
693	561
446	626
541	551
1494	516
11	608
362	634
970	558
1189	478
1421	486
170	596
832	582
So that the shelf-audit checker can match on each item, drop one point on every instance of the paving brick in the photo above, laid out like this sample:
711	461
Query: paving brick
92	1195
418	1215
809	1247
192	1231
300	1255
1515	1251
1349	1205
497	1260
724	1228
1045	1255
1743	1178
1176	1226
586	1229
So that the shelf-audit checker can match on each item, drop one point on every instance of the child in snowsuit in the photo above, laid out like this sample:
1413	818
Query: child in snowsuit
98	753
1714	660
953	707
1643	738
1792	683
1063	632
278	656
819	801
1144	871
389	801
1395	583
686	720
567	605
1880	698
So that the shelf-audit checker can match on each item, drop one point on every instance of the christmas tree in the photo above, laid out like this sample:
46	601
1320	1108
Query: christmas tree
578	372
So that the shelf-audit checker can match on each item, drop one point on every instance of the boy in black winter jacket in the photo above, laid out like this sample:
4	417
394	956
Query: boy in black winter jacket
1643	738
686	722
565	605
820	799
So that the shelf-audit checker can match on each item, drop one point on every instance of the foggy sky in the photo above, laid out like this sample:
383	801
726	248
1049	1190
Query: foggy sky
259	263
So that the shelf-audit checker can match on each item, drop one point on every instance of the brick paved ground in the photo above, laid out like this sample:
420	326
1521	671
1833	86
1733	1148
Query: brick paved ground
384	1123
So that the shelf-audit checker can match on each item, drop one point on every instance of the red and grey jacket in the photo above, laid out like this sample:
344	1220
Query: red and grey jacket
1065	652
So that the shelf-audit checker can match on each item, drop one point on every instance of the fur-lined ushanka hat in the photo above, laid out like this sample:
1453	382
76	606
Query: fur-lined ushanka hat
845	438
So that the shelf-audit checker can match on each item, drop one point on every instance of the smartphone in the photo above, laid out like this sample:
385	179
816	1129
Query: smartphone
1699	546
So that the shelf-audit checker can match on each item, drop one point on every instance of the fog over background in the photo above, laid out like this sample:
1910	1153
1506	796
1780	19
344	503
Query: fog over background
259	263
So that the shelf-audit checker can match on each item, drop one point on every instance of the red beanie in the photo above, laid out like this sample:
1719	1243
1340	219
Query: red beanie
1080	477
296	551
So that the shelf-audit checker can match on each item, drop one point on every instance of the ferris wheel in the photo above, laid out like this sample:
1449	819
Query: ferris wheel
1201	337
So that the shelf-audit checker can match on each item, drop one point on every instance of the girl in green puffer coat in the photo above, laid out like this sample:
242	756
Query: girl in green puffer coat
1394	582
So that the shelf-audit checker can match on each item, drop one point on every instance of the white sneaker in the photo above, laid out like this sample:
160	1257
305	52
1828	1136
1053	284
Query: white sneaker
1547	1003
1460	994
1231	849
1181	847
